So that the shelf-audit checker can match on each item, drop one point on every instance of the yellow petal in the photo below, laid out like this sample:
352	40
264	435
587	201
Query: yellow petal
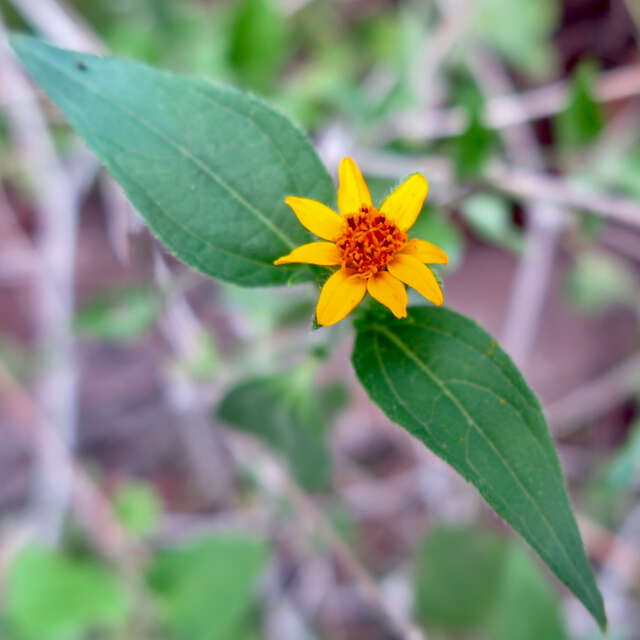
412	272
323	253
405	203
340	294
389	291
317	217
352	189
425	251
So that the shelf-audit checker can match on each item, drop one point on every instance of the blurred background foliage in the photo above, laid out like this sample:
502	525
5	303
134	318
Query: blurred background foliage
256	492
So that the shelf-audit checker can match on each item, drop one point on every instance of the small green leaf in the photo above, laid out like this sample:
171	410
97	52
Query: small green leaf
448	383
50	595
526	607
285	412
472	149
207	166
582	118
138	507
489	216
119	315
597	280
458	570
205	588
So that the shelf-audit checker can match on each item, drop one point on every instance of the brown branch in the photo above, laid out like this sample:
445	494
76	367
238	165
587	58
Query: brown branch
520	183
512	109
595	398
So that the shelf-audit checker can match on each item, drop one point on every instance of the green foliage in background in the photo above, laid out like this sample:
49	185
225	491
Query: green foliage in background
58	597
287	413
598	280
138	508
457	577
205	589
472	149
118	315
519	30
467	579
258	43
582	118
489	215
527	606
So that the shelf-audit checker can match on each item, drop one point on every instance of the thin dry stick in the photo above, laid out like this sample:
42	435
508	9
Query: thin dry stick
511	109
55	205
274	478
595	398
435	48
520	183
185	334
544	222
60	24
91	507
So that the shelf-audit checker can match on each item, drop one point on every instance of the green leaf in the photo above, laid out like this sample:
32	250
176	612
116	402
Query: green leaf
119	315
286	413
526	607
489	216
448	383
597	280
205	588
207	166
472	149
582	118
50	595
520	30
258	43
138	507
458	570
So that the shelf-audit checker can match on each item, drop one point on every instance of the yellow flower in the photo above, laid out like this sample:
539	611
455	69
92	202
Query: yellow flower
370	245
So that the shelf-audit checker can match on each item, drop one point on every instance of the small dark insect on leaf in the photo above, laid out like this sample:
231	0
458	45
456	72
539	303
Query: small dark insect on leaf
81	65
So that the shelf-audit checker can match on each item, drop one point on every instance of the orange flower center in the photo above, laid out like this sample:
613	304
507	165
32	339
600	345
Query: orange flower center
369	241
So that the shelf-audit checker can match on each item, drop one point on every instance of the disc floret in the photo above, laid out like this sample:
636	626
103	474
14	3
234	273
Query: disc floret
369	241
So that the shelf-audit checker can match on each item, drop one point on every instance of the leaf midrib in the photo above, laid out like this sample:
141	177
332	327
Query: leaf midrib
177	146
444	388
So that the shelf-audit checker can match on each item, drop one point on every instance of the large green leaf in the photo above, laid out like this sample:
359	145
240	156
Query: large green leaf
447	382
206	165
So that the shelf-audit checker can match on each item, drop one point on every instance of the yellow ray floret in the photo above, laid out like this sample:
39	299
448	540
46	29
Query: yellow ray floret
371	246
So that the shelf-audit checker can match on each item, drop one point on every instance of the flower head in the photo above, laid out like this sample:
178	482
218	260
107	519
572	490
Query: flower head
370	245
